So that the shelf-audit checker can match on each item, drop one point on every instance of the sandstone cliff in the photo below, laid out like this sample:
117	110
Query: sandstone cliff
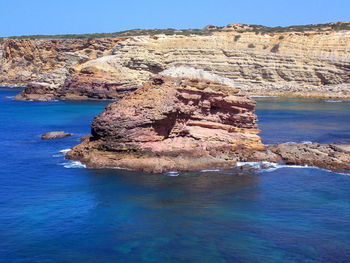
285	62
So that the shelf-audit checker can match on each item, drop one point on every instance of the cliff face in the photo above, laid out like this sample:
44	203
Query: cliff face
289	63
50	61
174	124
279	63
304	58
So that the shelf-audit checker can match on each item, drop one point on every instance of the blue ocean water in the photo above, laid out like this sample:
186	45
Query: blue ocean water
49	213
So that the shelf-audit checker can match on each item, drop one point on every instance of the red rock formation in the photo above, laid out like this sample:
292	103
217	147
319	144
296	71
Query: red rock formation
174	124
78	87
93	86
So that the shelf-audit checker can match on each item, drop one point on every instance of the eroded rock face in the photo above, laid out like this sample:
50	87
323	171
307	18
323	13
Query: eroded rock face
313	64
175	124
23	61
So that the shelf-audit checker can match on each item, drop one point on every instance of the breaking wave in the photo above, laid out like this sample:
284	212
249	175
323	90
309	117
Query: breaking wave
172	174
261	96
73	164
270	167
333	101
64	151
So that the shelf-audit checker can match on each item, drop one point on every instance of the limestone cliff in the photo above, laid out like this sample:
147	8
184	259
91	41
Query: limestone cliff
285	62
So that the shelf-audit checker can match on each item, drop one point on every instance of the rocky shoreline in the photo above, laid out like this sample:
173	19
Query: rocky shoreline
182	124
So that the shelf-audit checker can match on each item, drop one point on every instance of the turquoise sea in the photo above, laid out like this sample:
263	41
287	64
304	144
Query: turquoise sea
52	210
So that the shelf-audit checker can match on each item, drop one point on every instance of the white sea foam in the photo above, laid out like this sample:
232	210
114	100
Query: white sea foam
333	101
117	168
271	166
57	155
302	142
261	96
9	97
274	166
64	151
172	174
210	170
306	142
73	164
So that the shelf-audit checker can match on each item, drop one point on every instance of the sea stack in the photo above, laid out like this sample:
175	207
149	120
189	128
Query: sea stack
174	124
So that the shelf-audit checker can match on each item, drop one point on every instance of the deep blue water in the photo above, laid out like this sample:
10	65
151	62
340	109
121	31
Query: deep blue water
49	213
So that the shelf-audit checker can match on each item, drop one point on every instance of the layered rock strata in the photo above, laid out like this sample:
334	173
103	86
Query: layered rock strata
174	124
306	64
51	61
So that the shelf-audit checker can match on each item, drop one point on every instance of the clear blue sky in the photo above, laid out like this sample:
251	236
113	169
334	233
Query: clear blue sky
22	17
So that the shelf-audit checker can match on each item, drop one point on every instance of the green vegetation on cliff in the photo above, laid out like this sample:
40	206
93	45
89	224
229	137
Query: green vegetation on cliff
240	28
134	32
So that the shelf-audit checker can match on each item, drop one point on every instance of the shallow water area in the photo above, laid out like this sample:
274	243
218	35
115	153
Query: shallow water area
53	210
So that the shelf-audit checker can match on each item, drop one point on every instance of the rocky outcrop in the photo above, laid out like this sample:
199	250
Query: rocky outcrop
174	124
328	156
181	124
55	135
264	62
38	91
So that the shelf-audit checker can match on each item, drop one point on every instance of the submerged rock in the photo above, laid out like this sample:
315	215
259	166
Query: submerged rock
55	135
175	124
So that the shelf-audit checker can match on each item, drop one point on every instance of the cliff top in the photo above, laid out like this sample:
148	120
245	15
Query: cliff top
240	28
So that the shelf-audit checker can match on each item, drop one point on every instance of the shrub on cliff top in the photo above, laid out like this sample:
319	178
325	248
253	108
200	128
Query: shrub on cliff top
275	48
251	45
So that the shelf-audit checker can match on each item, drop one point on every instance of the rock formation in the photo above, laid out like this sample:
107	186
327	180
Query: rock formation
289	63
55	135
174	124
328	156
181	124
